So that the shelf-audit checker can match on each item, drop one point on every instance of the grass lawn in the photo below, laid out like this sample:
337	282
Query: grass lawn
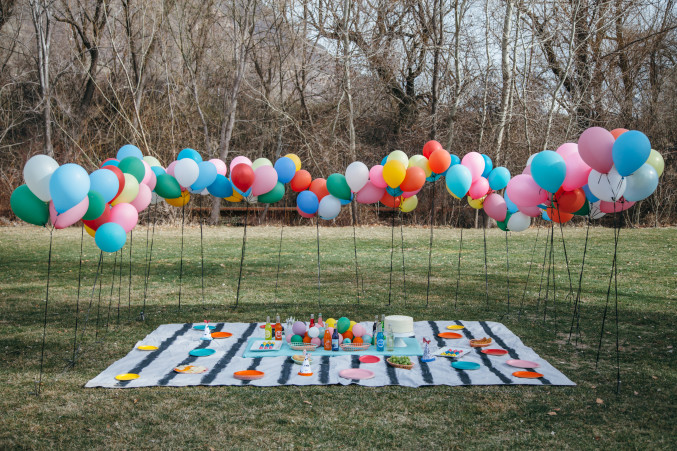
590	415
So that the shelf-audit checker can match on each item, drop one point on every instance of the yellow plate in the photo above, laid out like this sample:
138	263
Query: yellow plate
455	327
126	376
146	348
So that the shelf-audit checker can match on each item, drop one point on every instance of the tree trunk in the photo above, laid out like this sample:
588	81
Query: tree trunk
507	79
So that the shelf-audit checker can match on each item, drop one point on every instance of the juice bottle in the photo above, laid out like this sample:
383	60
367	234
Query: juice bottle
327	340
268	330
319	320
335	340
312	320
380	341
278	329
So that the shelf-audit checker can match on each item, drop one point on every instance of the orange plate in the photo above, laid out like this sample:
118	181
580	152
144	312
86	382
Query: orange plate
527	374
449	335
221	334
248	375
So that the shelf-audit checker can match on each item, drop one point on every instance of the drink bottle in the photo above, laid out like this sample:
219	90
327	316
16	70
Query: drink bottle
327	340
312	320
278	329
380	342
268	329
335	340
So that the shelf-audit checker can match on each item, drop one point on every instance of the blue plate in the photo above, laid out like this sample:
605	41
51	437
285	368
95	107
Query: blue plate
202	352
465	365
202	327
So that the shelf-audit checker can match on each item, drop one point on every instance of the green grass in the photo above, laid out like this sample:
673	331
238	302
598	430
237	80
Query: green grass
69	416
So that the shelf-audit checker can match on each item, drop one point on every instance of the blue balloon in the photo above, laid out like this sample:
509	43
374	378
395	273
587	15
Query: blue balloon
111	163
394	191
512	208
190	153
545	216
157	170
454	160
435	176
104	182
385	159
110	237
488	165
307	202
588	194
285	168
205	177
459	180
68	185
346	202
630	152
221	187
499	178
548	170
129	150
641	184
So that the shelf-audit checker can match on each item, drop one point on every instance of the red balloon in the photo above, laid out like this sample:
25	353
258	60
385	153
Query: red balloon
242	176
121	179
571	201
430	147
439	161
390	201
413	180
618	132
558	215
305	215
104	218
301	181
319	187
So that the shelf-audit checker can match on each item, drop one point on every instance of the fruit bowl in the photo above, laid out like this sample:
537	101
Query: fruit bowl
399	365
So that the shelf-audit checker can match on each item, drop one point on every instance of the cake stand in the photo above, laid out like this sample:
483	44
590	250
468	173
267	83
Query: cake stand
399	342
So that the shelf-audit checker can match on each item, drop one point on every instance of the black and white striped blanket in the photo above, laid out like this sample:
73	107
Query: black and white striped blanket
175	341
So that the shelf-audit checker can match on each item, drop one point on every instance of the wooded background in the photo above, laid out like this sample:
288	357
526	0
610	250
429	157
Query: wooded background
334	81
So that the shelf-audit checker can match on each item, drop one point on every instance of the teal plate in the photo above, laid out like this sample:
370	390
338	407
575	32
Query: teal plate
202	327
465	365
202	352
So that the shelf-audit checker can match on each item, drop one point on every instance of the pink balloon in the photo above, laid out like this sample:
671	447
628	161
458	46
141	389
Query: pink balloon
70	216
221	167
265	179
376	176
611	207
407	194
152	181
532	211
240	159
370	194
305	215
595	147
475	162
170	168
479	188
495	207
523	191
142	200
316	341
147	174
125	215
527	170
577	172
567	149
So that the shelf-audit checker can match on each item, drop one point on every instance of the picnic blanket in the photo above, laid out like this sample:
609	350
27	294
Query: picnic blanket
175	341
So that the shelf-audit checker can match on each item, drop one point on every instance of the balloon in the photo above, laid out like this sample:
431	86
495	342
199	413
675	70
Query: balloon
357	175
615	207
110	162
142	200
167	187
630	152
544	215
488	165
189	154
220	166
408	204
152	161
394	172
133	166
148	174
37	174
28	207
641	184
236	197
91	232
329	207
475	162
533	212
476	203
239	160
595	212
394	191
571	201
527	170
119	175
616	132
518	222
274	195
498	178
459	180
495	207
187	171
305	215
180	201
376	176
286	169
370	194
96	223
69	217
158	171
390	201
584	210
338	187
524	191
479	188
607	187
110	237
530	159
656	160
265	179
559	216
170	168
307	202
503	225
261	162
129	192
301	181
439	161
125	215
206	176
96	205
454	160
595	147
406	194
221	187
242	176
129	150
105	183
413	180
588	194
430	147
319	187
548	170
152	180
68	185
400	156
297	161
420	161
577	172
567	149
512	208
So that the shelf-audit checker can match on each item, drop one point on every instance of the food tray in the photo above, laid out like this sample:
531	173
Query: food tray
397	365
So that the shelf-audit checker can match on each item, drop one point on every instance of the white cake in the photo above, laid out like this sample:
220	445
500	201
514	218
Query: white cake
400	324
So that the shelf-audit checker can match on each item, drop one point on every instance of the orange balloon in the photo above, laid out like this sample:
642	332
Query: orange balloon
358	340
319	187
390	201
301	181
414	179
618	132
348	334
439	161
559	216
571	201
306	339
430	147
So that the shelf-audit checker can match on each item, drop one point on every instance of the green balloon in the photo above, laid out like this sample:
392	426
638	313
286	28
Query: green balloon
274	195
584	210
133	166
167	187
96	206
28	207
503	225
338	187
343	324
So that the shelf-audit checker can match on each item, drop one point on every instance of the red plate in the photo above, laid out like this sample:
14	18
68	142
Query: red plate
527	374
494	351
369	359
449	335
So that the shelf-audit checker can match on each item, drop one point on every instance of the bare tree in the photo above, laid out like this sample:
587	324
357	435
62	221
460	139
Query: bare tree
41	14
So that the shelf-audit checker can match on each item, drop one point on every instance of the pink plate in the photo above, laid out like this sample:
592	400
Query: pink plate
356	373
369	359
522	363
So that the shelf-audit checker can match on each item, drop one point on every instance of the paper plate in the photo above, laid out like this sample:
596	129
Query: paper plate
356	373
494	351
146	348
248	375
298	358
522	363
465	365
190	369
126	376
202	327
202	352
449	335
455	327
527	374
369	359
221	334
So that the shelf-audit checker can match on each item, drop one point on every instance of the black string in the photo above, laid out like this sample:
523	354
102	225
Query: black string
89	307
279	250
244	245
486	271
129	289
183	220
357	277
77	300
145	263
430	245
507	268
531	262
112	284
550	268
545	254
576	315
38	387
608	293
458	276
98	305
392	245
404	273
148	261
202	254
566	261
317	229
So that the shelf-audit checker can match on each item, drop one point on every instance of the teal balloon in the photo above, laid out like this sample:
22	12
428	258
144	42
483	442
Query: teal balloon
274	195
110	237
458	180
630	151
498	178
488	165
133	166
129	150
548	170
97	205
583	211
68	185
338	186
454	160
641	184
221	187
28	207
189	153
394	191
167	187
512	208
503	225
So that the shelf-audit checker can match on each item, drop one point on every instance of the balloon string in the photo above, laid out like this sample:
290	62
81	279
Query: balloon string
404	273
458	275
98	305
430	245
183	220
202	254
317	230
89	307
129	289
507	268
392	245
486	272
566	262
244	245
540	284
150	258
77	299
576	315
38	387
550	268
531	262
608	293
357	277
112	284
145	263
279	250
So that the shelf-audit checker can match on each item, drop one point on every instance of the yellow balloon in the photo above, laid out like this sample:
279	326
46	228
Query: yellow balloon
331	322
400	156
129	192
409	204
236	197
152	161
452	194
91	232
476	203
295	159
421	162
656	161
352	323
179	201
393	173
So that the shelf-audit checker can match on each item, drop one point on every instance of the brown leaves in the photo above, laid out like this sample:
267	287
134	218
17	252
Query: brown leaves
600	401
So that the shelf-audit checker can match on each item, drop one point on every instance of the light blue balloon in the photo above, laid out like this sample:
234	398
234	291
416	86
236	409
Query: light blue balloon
641	184
189	153
285	168
394	191
346	202
129	150
111	163
458	180
307	202
237	190
499	178
630	152
385	159
548	170
205	177
488	165
512	208
157	170
68	185
588	194
545	216
435	176
454	160
221	187
104	182
110	237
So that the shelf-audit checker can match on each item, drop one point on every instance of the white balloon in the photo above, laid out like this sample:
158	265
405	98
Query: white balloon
357	175
519	222
329	208
608	187
530	159
37	173
641	183
186	171
313	332
595	212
